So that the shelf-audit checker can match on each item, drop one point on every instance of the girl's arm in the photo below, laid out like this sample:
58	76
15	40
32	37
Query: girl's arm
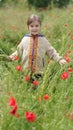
19	51
52	53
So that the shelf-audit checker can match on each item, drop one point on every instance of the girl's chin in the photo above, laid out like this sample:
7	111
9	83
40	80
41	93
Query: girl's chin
34	33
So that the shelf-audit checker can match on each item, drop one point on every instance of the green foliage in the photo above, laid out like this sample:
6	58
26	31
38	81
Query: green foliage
31	2
41	4
61	3
38	4
4	2
46	3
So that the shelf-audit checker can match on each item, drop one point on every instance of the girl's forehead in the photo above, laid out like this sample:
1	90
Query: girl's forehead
35	22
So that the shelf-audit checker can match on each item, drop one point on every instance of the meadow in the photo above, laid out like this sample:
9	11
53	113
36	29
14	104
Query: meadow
50	106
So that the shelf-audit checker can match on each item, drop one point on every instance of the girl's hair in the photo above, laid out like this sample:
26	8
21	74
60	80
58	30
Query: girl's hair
33	18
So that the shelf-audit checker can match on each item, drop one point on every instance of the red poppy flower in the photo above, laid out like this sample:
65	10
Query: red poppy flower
64	75
27	78
70	69
15	58
67	58
19	68
35	82
12	102
30	116
46	97
13	112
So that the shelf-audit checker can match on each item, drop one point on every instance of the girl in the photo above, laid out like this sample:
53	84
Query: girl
33	48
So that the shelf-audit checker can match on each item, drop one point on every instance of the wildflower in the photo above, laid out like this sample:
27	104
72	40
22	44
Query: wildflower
64	75
69	45
13	112
72	38
70	69
46	97
68	51
15	58
66	25
70	116
12	102
14	27
67	58
27	78
30	116
19	68
9	93
39	99
35	83
69	32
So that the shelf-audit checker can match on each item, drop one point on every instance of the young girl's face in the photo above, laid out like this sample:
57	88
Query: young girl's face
34	27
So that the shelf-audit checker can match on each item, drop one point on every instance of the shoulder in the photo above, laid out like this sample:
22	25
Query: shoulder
41	35
25	37
24	40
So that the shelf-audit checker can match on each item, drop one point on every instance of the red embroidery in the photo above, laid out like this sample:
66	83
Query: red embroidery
33	53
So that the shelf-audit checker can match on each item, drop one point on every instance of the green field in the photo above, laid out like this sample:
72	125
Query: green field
55	112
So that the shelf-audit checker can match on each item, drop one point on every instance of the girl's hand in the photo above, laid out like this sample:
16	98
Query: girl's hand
8	58
62	62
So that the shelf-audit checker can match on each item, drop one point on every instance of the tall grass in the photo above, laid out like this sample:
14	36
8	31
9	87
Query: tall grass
56	112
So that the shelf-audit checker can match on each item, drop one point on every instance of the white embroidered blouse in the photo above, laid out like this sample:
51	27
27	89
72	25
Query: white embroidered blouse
32	50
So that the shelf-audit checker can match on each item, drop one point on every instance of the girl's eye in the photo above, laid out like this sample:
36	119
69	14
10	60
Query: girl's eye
37	25
32	26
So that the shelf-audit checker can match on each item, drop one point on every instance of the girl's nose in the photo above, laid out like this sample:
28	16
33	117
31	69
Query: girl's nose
34	29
